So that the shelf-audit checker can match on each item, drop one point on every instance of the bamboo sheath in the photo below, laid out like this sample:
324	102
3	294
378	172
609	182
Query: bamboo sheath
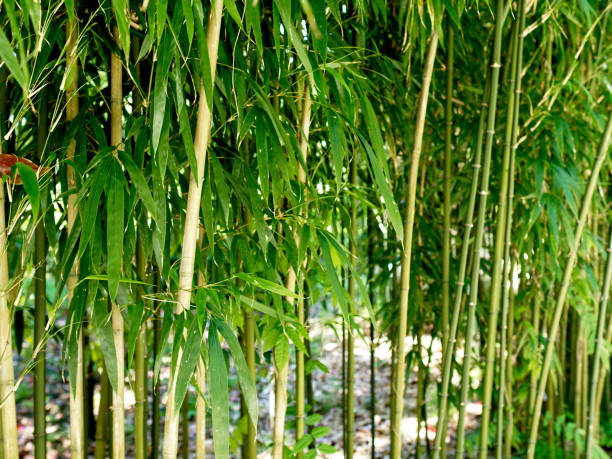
398	382
191	227
77	414
280	407
560	302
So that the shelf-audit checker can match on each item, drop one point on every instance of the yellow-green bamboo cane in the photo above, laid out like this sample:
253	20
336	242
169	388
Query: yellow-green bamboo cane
567	274
280	407
502	233
447	359
77	417
495	66
398	382
190	232
116	106
601	320
140	383
7	377
201	388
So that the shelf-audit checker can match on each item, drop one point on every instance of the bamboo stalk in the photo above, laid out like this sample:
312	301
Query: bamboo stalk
474	285
599	340
116	106
102	420
191	227
371	223
448	138
350	394
560	302
7	377
77	419
501	258
40	305
155	425
447	358
201	387
509	366
140	386
398	382
280	407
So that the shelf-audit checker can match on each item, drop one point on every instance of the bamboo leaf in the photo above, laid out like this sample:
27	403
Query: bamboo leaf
8	57
121	15
247	385
30	184
139	181
191	355
339	291
294	37
104	331
115	228
217	377
267	285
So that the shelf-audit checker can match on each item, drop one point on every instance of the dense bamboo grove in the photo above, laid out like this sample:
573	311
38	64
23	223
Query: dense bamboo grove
202	204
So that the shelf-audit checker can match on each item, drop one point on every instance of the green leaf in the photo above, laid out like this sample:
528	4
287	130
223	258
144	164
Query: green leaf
336	139
294	37
281	351
136	314
30	184
188	12
217	377
302	443
321	431
121	11
104	330
220	183
7	55
139	181
191	355
313	419
115	228
267	285
339	291
247	384
326	449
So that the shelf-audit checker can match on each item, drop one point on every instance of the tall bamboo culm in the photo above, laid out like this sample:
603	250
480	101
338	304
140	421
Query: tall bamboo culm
77	415
280	387
8	417
191	227
398	381
501	260
482	207
599	340
116	106
447	359
560	302
40	305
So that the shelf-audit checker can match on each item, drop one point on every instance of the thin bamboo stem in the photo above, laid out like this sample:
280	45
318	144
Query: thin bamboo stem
40	305
560	303
448	139
7	376
501	259
599	340
447	359
191	227
399	382
474	285
116	106
102	420
280	407
77	417
140	386
155	424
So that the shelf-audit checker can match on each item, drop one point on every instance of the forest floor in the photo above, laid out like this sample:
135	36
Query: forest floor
327	389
